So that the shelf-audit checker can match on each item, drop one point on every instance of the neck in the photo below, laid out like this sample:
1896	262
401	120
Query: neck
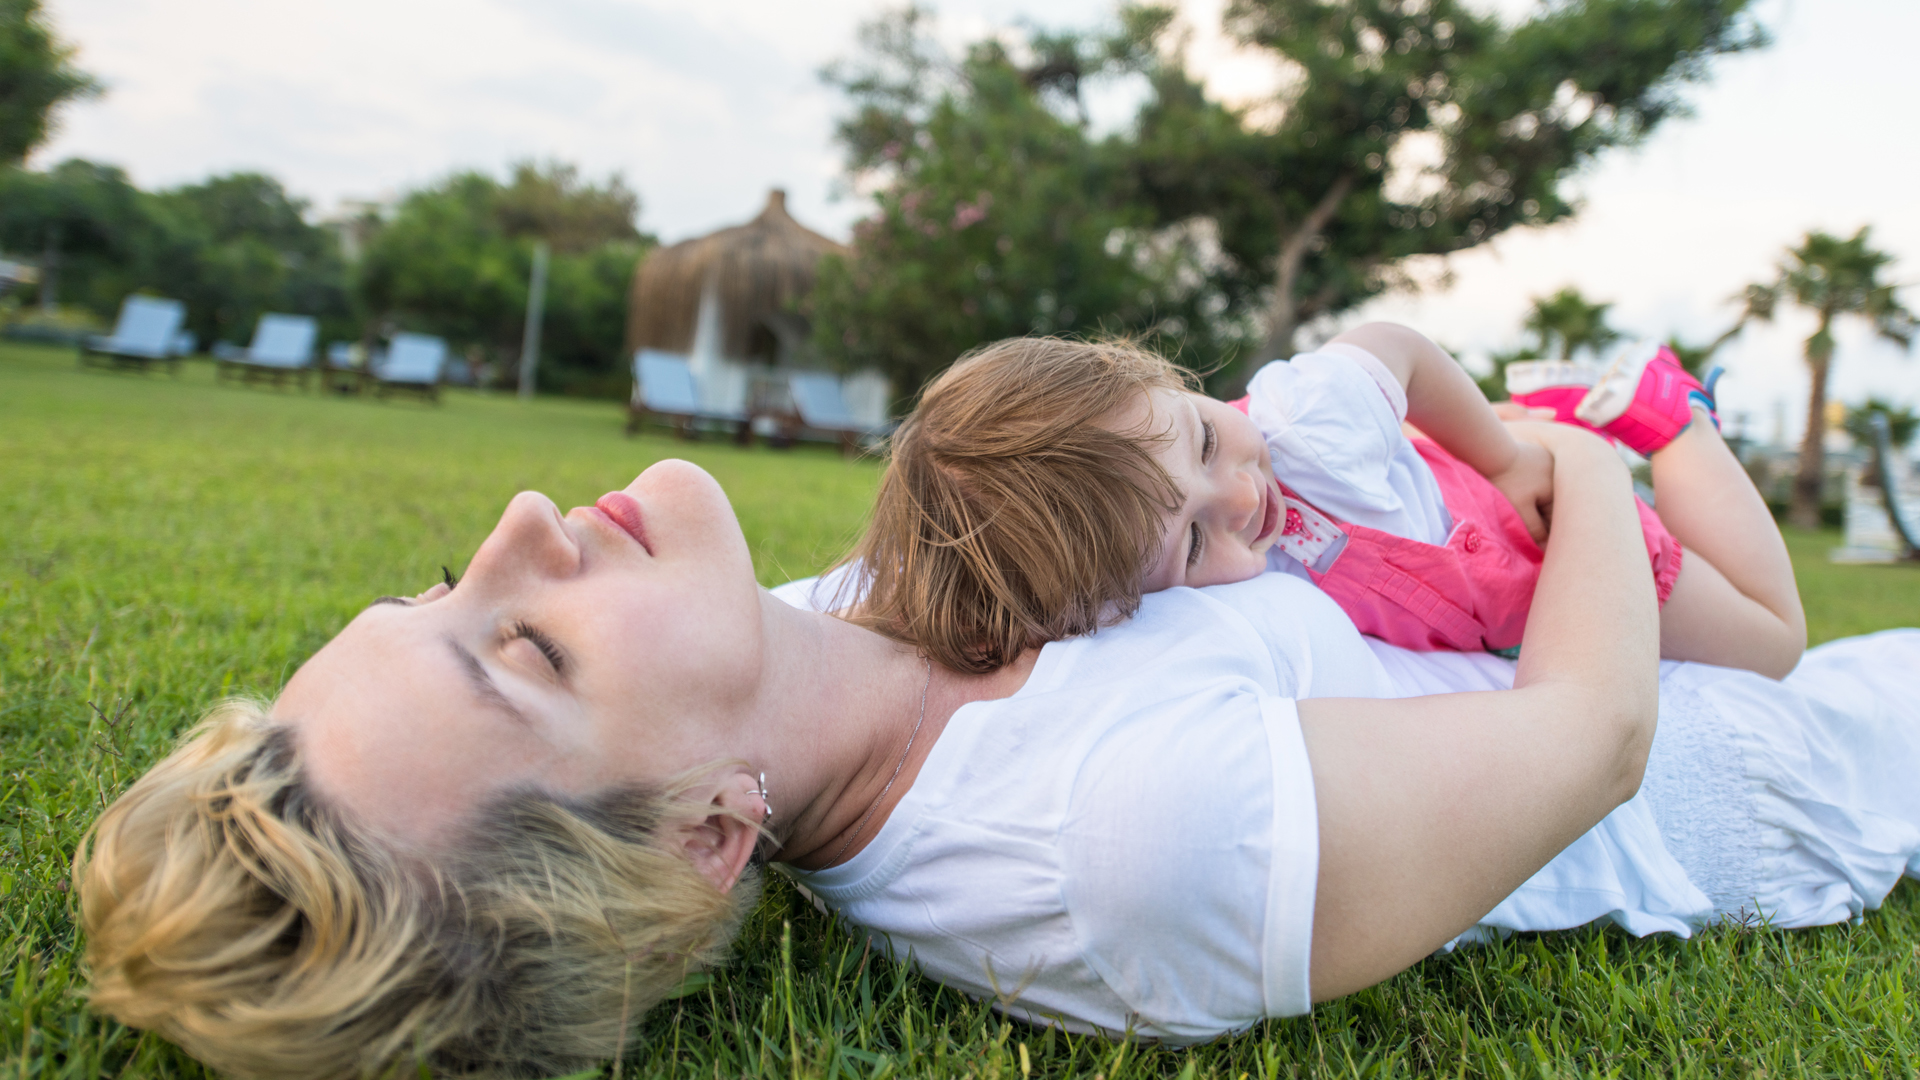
842	709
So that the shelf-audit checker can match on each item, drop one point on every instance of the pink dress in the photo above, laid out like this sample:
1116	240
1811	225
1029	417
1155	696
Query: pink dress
1469	591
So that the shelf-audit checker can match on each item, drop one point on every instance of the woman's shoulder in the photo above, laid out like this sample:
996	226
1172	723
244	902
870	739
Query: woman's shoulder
1287	635
1302	629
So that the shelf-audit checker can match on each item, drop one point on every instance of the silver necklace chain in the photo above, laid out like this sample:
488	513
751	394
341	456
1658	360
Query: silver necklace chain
882	797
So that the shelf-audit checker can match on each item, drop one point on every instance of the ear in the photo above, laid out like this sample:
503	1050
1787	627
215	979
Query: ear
720	844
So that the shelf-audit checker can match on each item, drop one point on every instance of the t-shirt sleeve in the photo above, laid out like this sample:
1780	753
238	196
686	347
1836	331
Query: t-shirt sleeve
1326	387
1294	867
1332	419
828	592
1190	856
798	593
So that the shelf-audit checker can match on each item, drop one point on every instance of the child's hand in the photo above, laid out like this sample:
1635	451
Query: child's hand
1528	485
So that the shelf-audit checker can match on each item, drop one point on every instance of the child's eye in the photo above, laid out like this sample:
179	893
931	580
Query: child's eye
1209	441
1194	545
544	644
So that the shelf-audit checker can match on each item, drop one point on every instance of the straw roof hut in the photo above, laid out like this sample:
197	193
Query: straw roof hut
745	277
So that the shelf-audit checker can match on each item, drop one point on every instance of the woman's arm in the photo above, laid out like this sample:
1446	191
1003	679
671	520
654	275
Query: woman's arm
1446	405
1434	809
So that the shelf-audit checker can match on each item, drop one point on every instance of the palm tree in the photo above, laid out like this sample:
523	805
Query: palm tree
1560	324
1566	322
1831	277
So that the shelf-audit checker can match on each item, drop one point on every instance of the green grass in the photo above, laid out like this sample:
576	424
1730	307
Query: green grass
165	542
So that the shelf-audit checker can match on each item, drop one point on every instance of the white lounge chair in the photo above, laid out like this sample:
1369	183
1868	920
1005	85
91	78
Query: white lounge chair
282	346
414	362
822	408
143	334
664	386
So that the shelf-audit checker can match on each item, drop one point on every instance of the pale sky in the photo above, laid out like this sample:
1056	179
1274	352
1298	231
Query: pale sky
702	107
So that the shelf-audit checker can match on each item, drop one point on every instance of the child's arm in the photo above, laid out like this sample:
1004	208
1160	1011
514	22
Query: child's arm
1444	402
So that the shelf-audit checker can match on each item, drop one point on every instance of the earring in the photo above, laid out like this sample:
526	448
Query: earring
765	806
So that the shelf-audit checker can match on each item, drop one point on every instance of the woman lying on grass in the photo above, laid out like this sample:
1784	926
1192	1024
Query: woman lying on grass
485	828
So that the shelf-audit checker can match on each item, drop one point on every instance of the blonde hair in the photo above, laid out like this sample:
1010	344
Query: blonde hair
229	909
1012	513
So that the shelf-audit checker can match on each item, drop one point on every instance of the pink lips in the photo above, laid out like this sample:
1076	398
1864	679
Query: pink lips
625	512
1270	512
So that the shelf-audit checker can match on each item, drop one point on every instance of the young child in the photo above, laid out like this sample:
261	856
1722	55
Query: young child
1042	486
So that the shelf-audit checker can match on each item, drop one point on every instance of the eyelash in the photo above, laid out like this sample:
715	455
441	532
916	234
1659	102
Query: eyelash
544	644
1209	441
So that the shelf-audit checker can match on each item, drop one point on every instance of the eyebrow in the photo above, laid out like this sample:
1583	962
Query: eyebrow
484	686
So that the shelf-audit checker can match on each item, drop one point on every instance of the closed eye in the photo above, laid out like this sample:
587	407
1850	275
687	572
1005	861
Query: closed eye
1209	442
545	644
1194	545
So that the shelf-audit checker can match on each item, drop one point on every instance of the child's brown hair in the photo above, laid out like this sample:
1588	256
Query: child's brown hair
1011	513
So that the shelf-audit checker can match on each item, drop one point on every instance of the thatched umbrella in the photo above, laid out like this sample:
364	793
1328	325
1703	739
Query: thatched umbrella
751	272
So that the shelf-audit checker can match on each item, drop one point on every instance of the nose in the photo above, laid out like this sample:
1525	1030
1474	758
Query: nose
1243	500
531	540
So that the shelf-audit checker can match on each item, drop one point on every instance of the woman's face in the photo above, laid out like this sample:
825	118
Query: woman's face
617	643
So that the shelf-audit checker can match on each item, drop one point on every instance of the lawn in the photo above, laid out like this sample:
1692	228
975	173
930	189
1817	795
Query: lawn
165	542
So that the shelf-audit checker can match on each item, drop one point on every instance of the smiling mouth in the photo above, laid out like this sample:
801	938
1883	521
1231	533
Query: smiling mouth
1270	512
622	509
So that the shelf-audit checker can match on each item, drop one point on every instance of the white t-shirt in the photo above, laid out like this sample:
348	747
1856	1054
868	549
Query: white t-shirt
1332	419
1141	814
1130	843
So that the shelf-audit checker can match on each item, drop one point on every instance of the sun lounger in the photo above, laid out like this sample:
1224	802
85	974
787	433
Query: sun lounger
414	363
143	335
282	346
664	386
821	407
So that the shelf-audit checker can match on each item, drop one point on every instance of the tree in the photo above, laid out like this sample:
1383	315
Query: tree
1562	325
1567	323
231	247
1901	423
85	220
995	214
454	258
1406	127
1832	278
36	76
237	246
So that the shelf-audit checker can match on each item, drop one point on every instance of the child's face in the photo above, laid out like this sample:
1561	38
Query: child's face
1231	512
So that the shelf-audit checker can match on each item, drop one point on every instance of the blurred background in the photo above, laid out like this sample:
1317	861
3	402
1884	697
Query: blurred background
1231	178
